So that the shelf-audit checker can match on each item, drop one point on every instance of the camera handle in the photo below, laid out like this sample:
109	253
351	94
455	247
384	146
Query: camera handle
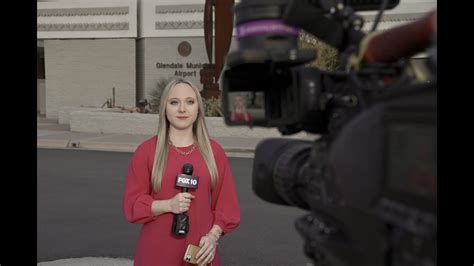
410	39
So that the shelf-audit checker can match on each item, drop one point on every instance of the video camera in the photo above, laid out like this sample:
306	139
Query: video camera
370	179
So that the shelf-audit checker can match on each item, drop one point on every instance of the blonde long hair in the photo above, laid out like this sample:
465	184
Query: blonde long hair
200	133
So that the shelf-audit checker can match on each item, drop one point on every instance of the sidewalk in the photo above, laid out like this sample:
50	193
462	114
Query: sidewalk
51	135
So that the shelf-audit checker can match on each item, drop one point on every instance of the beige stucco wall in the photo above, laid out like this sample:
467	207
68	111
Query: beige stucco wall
83	73
165	50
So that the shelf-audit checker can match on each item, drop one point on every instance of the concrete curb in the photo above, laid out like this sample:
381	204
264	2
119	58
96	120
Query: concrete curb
147	124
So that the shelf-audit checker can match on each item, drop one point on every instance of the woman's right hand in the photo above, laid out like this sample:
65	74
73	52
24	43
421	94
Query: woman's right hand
180	202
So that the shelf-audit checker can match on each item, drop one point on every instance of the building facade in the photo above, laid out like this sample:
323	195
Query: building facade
92	51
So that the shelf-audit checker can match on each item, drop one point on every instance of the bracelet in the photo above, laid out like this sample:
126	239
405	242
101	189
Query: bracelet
215	237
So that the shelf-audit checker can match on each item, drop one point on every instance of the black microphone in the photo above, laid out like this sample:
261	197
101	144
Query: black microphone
185	181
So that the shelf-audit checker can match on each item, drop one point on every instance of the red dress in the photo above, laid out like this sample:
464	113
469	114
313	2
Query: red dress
157	245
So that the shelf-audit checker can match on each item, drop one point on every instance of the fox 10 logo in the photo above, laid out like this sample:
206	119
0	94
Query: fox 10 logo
187	181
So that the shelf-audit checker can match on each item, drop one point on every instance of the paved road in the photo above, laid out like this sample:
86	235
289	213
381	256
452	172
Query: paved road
79	213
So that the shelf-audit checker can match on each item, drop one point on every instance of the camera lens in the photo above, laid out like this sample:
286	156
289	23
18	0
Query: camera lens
289	169
281	171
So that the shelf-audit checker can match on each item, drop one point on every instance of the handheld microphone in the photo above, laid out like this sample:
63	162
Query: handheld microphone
185	181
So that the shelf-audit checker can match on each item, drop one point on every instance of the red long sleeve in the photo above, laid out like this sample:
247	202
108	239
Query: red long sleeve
137	198
225	204
157	245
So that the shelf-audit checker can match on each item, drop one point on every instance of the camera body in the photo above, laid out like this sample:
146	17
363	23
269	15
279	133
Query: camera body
268	69
371	191
370	179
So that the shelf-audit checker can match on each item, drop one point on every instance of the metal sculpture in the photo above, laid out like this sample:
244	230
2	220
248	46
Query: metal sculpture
224	19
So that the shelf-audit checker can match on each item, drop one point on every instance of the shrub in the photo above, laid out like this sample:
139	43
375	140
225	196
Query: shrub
155	94
326	56
212	107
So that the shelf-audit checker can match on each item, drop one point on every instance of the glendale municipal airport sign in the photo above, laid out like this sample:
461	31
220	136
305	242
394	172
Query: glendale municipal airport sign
182	70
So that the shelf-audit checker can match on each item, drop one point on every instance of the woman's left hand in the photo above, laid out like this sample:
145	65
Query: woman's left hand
207	253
